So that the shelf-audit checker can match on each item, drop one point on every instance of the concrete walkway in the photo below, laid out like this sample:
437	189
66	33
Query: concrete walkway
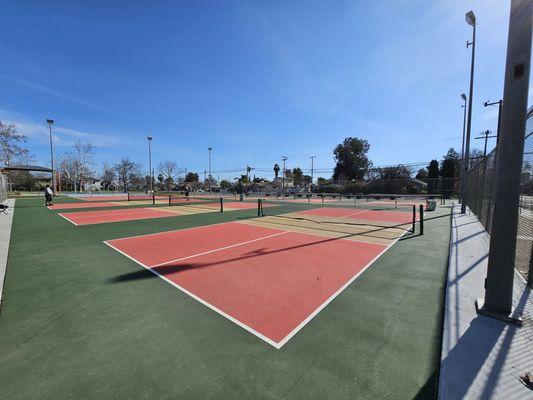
5	235
482	358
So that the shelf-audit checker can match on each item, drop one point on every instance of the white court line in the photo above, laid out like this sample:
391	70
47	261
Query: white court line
171	214
282	342
200	300
219	249
72	222
355	213
175	230
334	295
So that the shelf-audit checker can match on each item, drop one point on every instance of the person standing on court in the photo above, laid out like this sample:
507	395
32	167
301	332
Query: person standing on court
48	195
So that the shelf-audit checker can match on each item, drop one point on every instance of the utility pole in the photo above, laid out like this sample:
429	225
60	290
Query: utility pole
498	300
150	172
470	20
283	158
486	137
463	96
210	178
50	123
312	171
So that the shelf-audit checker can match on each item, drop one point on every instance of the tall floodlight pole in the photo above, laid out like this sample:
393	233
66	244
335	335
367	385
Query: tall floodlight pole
150	172
50	122
461	194
470	20
283	158
210	179
502	252
312	171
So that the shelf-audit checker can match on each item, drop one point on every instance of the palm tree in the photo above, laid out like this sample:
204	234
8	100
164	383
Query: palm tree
276	170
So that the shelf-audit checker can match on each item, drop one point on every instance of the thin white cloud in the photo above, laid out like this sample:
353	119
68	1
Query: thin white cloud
62	136
65	96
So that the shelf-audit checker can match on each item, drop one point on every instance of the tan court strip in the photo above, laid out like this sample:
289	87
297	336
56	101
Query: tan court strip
360	231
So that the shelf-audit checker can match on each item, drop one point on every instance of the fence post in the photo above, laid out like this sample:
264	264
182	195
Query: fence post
421	219
500	272
414	219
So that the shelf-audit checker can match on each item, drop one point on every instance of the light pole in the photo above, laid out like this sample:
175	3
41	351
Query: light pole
312	170
283	158
150	172
210	179
470	20
461	194
50	122
499	103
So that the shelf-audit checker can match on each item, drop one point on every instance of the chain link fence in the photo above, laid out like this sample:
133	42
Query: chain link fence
524	240
480	196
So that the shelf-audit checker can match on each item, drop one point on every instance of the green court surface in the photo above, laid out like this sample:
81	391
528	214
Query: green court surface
80	321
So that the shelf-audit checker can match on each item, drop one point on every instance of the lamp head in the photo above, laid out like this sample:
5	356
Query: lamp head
463	96
49	121
149	138
470	18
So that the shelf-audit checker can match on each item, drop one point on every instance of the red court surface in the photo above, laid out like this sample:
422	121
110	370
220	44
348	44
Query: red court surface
67	206
270	282
104	216
368	215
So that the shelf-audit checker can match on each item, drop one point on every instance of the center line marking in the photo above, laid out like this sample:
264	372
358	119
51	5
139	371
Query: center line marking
219	249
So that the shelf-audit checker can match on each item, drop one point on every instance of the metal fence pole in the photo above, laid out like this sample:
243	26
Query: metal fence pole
500	273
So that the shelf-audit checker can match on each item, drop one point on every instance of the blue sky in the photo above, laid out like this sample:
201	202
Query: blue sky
253	79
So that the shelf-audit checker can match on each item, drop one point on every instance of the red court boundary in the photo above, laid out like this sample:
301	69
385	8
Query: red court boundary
270	282
399	217
107	216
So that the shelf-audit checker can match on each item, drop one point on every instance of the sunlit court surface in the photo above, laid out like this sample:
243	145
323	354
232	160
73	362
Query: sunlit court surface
266	200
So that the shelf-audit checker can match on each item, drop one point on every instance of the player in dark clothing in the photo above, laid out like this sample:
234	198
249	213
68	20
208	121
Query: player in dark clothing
48	195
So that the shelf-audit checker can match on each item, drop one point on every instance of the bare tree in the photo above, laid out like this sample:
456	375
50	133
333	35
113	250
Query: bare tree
168	169
12	152
129	174
75	165
108	176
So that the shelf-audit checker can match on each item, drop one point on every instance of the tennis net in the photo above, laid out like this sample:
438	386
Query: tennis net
207	203
338	218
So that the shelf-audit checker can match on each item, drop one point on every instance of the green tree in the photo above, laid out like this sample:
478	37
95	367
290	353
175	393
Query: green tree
449	172
192	177
433	176
225	185
276	170
422	174
298	176
351	158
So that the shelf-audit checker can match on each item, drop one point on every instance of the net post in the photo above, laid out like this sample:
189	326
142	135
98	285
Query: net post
414	219
153	199
258	208
169	200
221	205
421	219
